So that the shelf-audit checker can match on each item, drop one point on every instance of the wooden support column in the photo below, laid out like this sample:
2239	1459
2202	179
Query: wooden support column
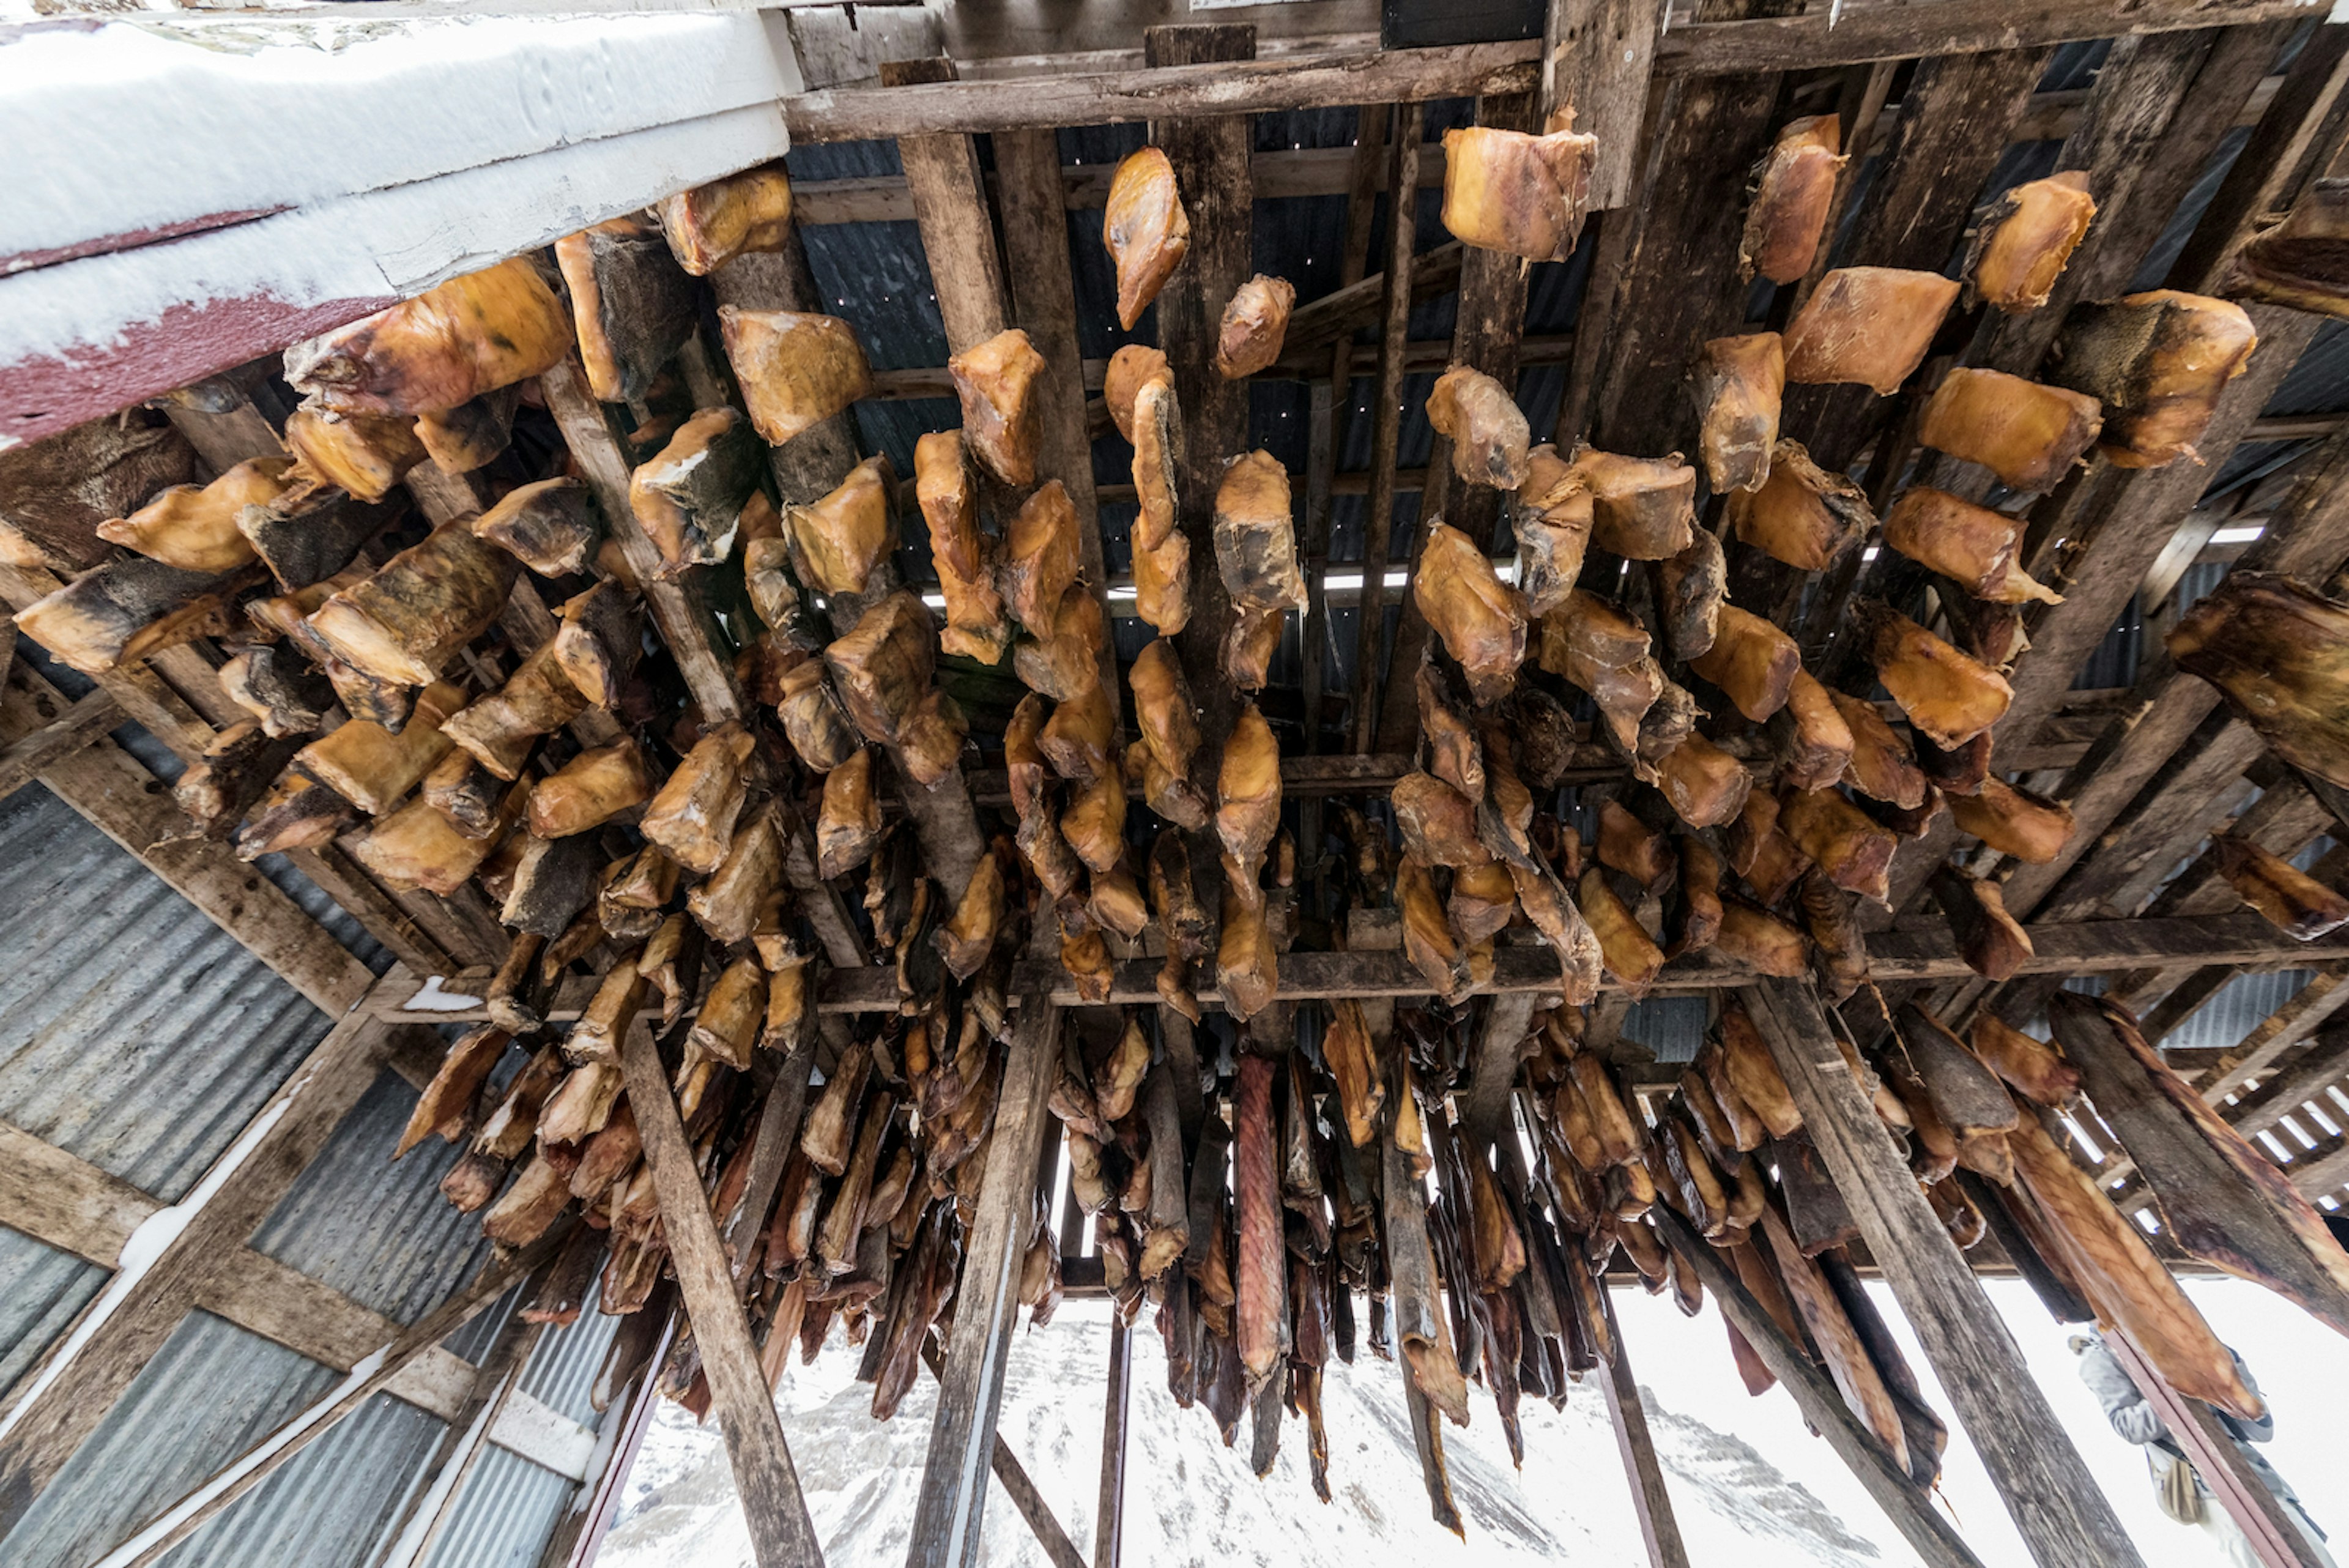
2275	1538
782	1533
1017	1484
28	756
1386	421
1650	1499
1929	1536
1485	1109
1597	60
2056	1505
1117	1411
953	1498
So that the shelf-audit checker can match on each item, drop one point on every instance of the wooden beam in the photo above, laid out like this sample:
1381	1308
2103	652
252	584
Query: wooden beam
1929	1536
2294	143
1386	425
1013	1476
953	1499
30	756
139	1307
1651	1499
121	799
780	1531
2278	1033
2056	1506
1117	1413
1597	60
1493	1070
2275	1538
2306	1078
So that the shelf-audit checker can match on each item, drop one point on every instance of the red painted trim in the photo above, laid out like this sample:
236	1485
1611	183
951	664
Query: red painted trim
42	396
107	244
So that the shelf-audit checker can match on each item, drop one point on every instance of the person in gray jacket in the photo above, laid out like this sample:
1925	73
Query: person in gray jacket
2187	1497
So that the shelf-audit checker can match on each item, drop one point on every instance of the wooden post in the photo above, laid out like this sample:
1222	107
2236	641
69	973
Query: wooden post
1386	420
962	1434
2276	1538
1911	1511
1596	59
2057	1508
1018	1486
1109	1513
1650	1498
782	1533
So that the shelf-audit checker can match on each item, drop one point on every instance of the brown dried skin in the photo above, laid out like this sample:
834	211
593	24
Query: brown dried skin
795	370
2297	262
814	719
1630	954
1753	936
930	739
1838	950
1992	941
1810	736
1428	939
536	1199
828	1138
2034	1068
966	941
1642	509
1164	710
1882	766
1967	1097
1699	915
710	224
2291	900
2028	434
1752	1073
1145	230
1948	696
840	539
882	669
2280	655
1840	1344
1065	663
372	768
298	813
1158	452
1249	646
728	1024
1076	739
470	435
1706	786
727	905
2115	1268
417	846
194	527
1694	586
848	828
1256	539
447	346
1437	822
551	526
553	879
442	1106
1760	853
1162	585
598	642
234	772
1801	513
2014	821
1753	662
1738	383
1255	323
1484	899
1840	839
996	382
1481	620
1792	189
1868	324
2157	362
1629	846
1129	369
1247	961
630	303
692	818
690	498
283	690
1116	902
1247	790
1039	558
1490	440
1561	923
311	540
1971	545
405	623
359	453
1094	822
1598	648
501	728
1453	753
1552	518
2026	238
1514	192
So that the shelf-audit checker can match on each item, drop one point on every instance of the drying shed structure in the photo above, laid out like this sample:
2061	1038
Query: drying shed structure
683	678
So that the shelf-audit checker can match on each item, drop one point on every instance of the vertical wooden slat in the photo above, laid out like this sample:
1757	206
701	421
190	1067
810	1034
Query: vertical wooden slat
1651	1499
780	1531
2056	1505
1386	421
1109	1511
1596	59
953	1498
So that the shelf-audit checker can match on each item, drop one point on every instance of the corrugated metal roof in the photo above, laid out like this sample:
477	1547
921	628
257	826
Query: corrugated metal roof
41	1289
2237	1009
503	1516
562	1370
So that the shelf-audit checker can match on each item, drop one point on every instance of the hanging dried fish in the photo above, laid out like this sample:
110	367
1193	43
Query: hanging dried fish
1255	322
1811	737
1255	537
2033	1068
297	813
193	527
1844	844
839	540
2026	237
1629	953
1839	952
1948	696
1552	519
795	370
406	622
1643	509
552	881
1144	229
690	497
360	453
1122	382
1605	652
727	905
1489	437
1738	383
417	846
995	382
631	302
1518	194
2291	900
598	641
373	768
2014	821
1801	513
1882	766
2157	362
882	669
286	694
500	730
1992	941
1041	558
1481	620
446	347
710	225
1967	1097
692	817
1753	662
1247	961
1869	325
1973	545
470	435
551	527
1792	189
2028	434
849	825
2273	650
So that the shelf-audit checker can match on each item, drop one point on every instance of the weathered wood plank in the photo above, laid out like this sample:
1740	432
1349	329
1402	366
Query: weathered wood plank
1017	1484
27	757
2056	1506
946	1516
1386	426
1108	1509
780	1531
1651	1499
2294	143
1598	61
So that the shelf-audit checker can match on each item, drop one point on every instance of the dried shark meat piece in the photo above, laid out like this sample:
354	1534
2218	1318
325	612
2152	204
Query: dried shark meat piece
1629	953
1039	557
2033	1068
1255	320
1706	786
2024	239
2028	434
1490	440
1882	766
405	623
1438	823
1738	383
690	497
1801	514
1971	545
365	454
282	690
590	790
1255	535
1248	962
373	768
1753	662
2276	651
1869	325
1076	739
1792	189
710	225
727	905
597	642
1552	518
1811	737
550	526
417	846
796	369
1992	941
848	828
1481	620
1598	648
1692	586
1516	192
1247	789
1642	509
123	611
1842	840
1122	383
2291	900
193	527
447	346
2157	362
470	435
883	669
501	728
1145	230
632	303
843	536
1949	697
692	817
2013	821
995	382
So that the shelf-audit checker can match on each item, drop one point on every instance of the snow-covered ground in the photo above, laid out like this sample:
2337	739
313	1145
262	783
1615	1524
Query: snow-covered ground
1750	1486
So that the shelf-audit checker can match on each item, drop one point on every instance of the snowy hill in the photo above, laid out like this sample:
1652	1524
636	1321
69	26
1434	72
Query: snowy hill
1190	1501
